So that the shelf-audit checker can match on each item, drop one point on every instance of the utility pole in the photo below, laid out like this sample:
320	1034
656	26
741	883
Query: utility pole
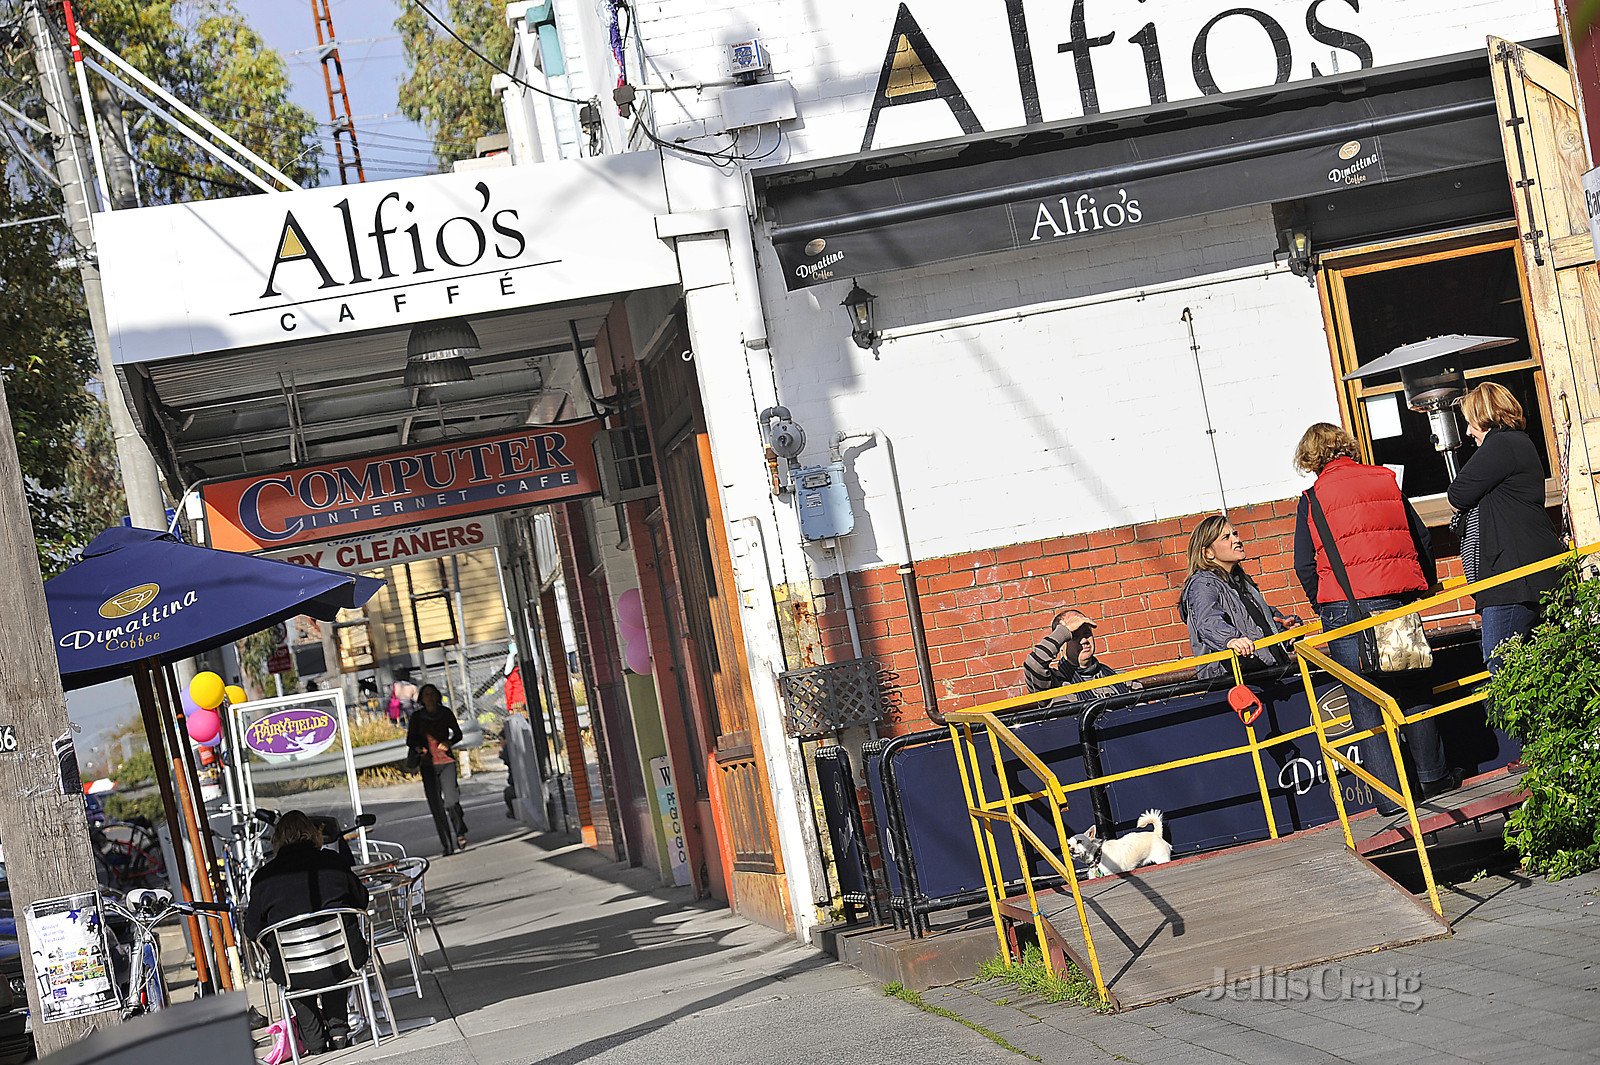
146	505
344	123
42	823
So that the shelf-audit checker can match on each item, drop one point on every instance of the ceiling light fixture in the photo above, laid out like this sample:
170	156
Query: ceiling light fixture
436	352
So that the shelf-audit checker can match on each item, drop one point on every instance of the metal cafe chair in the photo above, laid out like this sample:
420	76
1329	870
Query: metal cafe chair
390	908
381	850
318	942
416	870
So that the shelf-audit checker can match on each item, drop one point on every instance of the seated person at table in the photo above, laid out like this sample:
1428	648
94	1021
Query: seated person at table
1066	656
302	878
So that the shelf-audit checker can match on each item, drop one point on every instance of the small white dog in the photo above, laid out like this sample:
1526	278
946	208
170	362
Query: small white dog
1108	856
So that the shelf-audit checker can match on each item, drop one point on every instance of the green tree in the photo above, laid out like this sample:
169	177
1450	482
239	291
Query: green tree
47	359
1547	694
448	90
208	56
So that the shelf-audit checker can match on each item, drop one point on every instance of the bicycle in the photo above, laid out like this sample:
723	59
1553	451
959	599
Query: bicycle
144	909
128	854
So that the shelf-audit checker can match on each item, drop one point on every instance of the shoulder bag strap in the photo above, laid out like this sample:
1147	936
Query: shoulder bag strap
1332	550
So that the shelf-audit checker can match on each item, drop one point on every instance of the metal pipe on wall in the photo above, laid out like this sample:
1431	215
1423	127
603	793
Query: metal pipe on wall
907	569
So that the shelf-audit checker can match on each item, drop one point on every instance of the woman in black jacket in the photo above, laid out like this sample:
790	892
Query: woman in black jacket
431	735
302	878
1499	502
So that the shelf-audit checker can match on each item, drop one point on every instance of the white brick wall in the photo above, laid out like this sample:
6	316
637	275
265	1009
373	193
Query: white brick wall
1072	402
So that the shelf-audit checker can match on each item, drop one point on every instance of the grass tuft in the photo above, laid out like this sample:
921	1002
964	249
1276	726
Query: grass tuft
1030	976
905	994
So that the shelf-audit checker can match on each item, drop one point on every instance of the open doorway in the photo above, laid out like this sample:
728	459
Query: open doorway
1379	297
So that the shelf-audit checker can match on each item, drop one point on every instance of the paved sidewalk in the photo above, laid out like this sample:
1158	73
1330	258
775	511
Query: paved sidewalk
1518	982
561	956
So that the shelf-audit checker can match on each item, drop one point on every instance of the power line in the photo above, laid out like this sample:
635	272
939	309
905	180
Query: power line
463	42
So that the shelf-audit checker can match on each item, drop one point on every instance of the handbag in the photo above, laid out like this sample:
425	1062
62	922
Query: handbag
1393	647
281	1031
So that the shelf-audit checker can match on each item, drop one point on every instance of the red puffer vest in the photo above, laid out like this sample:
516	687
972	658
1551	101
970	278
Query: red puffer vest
1367	515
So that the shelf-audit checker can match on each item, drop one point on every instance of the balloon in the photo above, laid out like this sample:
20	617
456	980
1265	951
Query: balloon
188	704
235	694
630	611
207	689
204	725
214	742
638	656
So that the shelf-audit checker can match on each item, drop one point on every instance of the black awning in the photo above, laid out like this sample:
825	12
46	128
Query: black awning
1090	178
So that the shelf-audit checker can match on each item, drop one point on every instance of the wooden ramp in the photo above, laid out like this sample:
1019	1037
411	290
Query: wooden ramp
1171	930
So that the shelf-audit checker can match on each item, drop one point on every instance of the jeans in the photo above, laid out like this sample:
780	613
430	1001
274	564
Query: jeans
1411	694
443	792
1500	623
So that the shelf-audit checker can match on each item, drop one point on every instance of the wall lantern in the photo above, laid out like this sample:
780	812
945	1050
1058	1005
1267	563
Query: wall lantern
1297	243
858	304
436	352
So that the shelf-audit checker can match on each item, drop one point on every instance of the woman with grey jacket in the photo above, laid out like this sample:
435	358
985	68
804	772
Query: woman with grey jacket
1222	605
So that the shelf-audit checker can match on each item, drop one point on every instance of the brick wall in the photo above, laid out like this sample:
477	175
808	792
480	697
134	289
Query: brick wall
984	610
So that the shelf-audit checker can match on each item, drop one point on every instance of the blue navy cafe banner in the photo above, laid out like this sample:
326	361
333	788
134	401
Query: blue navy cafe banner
336	500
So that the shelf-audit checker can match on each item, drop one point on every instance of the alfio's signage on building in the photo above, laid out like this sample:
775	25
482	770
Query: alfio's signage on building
450	479
215	275
392	547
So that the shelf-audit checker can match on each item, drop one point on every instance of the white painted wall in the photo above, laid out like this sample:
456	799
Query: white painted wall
833	52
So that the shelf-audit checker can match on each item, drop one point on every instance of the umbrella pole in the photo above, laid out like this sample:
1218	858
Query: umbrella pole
157	735
200	833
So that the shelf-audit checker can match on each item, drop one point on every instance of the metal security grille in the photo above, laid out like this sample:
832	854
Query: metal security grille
821	699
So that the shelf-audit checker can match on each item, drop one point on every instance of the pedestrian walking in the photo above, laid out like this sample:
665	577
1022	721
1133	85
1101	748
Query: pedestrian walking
1381	557
432	734
1499	501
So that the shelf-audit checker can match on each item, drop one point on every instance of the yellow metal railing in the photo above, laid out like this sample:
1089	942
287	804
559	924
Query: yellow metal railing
1309	641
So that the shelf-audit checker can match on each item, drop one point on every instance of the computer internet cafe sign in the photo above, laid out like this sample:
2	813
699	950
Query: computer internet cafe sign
450	479
216	275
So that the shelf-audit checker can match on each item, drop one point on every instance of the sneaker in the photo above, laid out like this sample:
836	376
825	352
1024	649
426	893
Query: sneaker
461	843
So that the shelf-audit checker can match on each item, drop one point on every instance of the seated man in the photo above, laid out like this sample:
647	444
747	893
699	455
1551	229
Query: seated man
1066	656
302	878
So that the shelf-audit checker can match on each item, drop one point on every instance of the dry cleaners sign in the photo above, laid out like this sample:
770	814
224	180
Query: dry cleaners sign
222	274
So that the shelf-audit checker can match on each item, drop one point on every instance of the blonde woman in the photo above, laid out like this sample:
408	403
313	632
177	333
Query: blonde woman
1222	605
1499	502
1381	557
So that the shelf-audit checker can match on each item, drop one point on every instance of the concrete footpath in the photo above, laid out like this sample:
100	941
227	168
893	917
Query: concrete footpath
560	956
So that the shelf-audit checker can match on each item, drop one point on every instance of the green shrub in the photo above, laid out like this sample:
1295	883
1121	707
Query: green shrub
1547	694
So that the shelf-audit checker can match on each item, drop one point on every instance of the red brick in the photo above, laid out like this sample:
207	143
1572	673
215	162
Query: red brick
1111	537
949	670
947	619
1100	556
1116	572
951	582
983	630
1065	545
1040	567
1138	550
1018	552
989	584
1141	585
1066	582
933	567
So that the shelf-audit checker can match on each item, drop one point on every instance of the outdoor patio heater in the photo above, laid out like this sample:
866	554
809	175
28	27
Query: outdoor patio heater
1431	374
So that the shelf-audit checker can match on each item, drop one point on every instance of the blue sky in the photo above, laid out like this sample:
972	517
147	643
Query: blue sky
374	65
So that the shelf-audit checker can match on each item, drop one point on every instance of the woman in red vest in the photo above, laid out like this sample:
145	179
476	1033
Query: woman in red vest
1383	551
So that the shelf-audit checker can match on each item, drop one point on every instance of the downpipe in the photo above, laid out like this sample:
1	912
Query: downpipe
907	568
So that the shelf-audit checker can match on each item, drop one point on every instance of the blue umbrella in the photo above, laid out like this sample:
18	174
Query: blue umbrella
138	595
